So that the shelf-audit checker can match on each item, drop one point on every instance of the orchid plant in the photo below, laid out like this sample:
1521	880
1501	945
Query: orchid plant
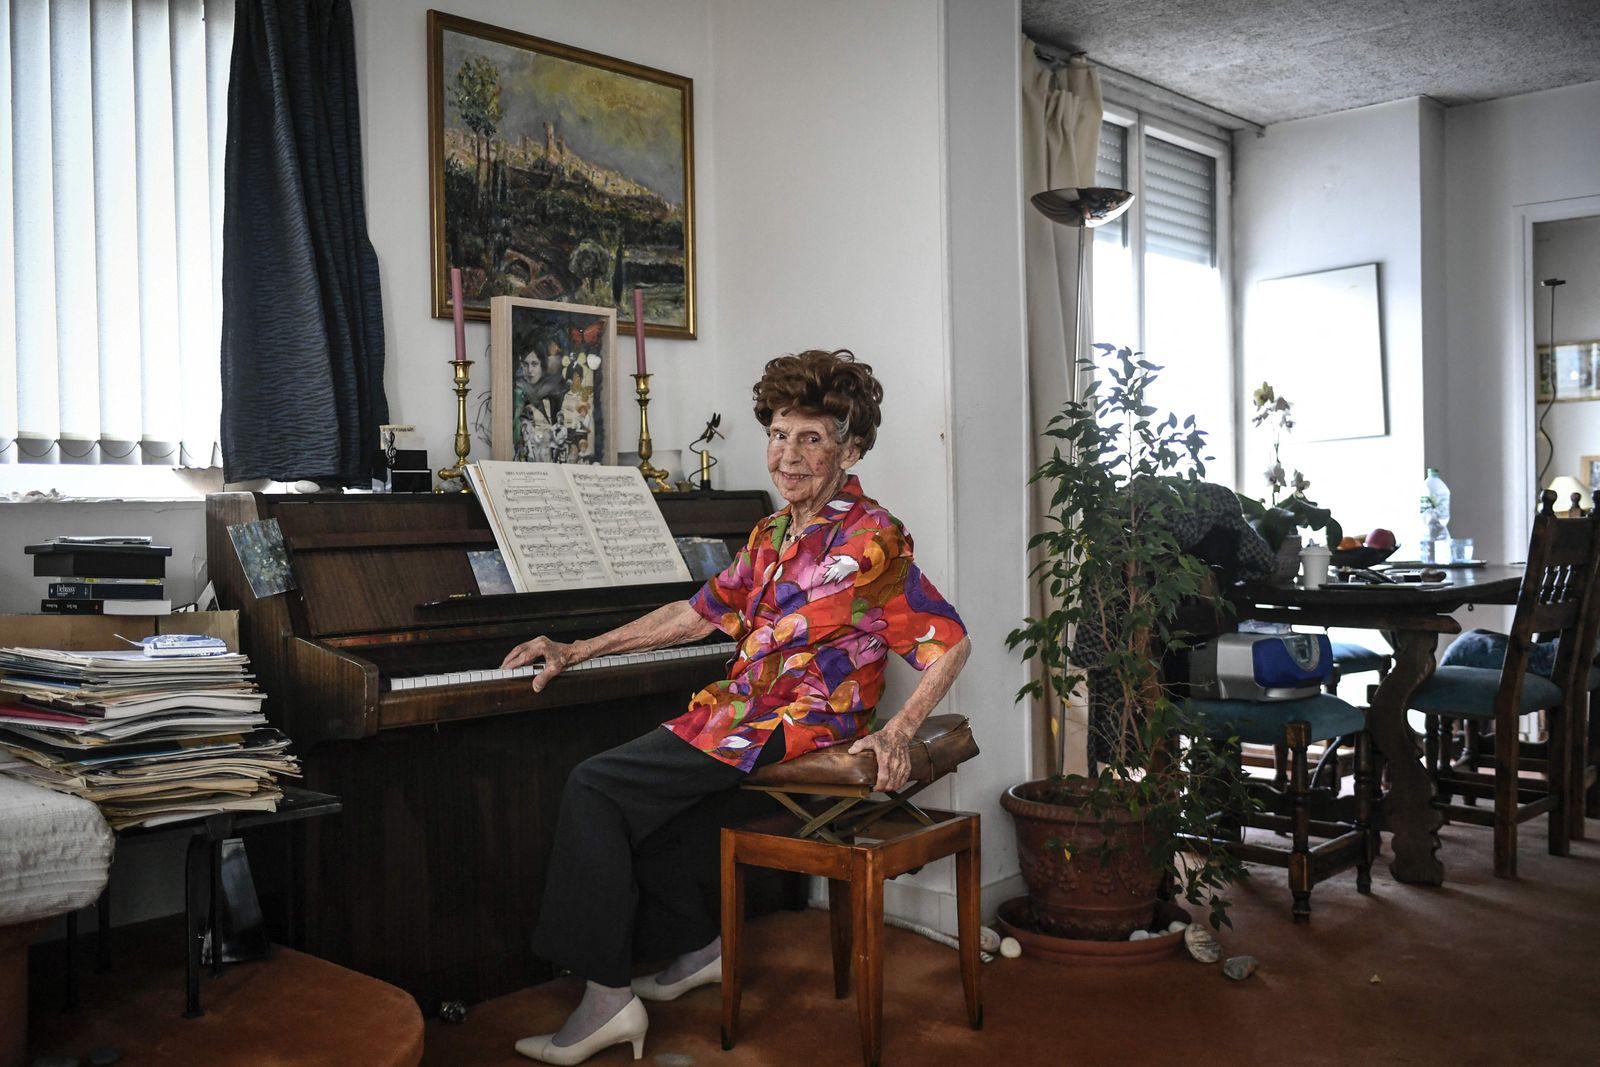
1275	519
1278	413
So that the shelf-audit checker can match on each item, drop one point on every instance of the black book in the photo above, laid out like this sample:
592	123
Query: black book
54	559
138	590
73	607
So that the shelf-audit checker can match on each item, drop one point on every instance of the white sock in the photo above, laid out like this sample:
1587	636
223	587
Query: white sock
690	962
599	1006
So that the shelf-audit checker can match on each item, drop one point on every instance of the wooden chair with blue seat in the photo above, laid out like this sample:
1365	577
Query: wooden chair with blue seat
1557	600
835	828
1303	810
1467	745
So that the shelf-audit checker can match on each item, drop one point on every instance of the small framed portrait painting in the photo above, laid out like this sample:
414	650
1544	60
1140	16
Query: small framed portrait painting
552	394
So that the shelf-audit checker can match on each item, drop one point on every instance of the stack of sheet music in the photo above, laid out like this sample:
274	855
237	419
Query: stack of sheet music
151	740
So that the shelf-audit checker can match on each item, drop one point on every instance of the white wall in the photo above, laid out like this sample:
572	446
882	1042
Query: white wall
829	188
1505	160
988	370
1329	192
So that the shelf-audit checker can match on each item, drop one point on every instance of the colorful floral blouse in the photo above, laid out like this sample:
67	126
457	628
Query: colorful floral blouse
815	621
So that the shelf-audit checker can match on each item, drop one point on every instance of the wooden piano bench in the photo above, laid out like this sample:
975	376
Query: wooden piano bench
835	830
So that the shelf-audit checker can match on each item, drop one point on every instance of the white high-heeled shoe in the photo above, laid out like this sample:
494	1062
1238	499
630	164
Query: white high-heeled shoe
625	1027
650	989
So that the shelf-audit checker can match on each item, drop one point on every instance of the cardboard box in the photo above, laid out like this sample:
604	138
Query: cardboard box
86	633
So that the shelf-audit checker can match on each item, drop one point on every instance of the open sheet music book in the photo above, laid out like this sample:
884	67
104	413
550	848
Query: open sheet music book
576	526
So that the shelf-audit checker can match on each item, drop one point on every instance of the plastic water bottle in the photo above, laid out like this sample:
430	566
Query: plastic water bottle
1435	507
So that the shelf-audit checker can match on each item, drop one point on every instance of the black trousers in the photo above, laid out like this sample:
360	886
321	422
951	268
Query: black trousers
634	867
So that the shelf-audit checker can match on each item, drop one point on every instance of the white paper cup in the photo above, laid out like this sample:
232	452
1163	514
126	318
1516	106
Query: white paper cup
1313	567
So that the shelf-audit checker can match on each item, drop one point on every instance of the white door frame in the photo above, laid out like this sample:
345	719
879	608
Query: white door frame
1524	406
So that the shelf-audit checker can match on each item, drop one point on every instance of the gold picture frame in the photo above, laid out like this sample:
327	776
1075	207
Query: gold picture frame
558	174
554	381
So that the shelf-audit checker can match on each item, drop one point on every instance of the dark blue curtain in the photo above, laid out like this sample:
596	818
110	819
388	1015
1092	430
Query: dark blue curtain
302	314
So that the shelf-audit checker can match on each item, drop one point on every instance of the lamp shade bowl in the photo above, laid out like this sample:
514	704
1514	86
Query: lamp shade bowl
1089	207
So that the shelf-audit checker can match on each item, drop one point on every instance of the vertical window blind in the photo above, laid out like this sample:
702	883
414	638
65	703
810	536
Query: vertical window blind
1180	190
1111	172
111	178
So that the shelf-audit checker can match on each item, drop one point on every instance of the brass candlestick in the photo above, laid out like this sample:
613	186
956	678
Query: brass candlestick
654	477
463	437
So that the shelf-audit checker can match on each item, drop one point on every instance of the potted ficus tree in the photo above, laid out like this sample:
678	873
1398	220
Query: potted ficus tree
1100	851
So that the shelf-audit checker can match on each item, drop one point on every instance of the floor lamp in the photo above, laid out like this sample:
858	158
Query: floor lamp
1551	284
1085	209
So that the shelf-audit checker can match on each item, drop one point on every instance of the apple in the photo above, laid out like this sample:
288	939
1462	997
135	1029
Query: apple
1380	539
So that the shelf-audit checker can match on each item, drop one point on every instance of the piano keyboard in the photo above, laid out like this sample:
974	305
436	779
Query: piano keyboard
623	659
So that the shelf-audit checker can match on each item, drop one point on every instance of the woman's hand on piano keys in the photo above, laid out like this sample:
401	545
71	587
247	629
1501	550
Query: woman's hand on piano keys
556	656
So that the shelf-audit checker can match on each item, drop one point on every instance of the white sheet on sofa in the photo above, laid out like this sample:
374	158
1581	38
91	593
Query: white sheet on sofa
55	851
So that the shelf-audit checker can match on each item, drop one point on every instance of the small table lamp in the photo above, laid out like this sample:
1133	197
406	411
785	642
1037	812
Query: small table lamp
1567	487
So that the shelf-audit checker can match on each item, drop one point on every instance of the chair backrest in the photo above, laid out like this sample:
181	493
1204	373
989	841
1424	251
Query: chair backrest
1558	598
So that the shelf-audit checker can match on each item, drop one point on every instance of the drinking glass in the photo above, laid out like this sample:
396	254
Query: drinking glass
1461	550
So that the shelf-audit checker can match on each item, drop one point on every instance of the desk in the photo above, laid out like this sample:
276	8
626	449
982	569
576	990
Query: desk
202	867
1412	620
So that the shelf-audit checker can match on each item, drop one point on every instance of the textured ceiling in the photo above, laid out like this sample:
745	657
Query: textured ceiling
1274	60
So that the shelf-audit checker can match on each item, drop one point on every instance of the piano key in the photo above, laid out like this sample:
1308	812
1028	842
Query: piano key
623	659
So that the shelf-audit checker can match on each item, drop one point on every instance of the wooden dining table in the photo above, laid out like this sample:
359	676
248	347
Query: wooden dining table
1411	617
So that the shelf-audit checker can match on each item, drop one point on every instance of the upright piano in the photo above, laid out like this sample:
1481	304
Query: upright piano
382	667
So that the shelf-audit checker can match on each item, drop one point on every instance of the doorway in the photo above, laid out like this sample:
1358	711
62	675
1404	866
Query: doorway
1566	373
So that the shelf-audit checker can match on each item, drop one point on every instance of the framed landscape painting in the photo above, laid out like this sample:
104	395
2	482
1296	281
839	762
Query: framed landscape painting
558	174
552	393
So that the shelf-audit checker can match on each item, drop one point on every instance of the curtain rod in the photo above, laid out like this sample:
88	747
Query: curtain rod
1176	98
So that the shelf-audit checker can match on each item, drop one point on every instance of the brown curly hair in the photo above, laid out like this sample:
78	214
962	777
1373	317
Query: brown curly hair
829	384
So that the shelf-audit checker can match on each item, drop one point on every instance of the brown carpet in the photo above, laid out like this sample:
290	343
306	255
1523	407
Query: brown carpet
291	1010
1480	971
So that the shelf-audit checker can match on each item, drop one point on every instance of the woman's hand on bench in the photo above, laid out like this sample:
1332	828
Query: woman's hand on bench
892	747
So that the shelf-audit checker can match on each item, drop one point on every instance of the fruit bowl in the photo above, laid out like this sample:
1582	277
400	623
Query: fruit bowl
1365	556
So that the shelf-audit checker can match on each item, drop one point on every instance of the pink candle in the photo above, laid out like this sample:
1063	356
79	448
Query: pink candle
638	327
456	306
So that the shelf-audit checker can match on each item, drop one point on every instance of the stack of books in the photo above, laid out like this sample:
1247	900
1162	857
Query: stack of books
150	738
102	575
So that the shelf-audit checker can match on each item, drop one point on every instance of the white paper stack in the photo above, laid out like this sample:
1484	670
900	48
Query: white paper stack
150	740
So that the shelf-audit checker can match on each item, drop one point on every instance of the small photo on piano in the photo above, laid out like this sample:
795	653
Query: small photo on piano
706	557
551	370
489	568
262	557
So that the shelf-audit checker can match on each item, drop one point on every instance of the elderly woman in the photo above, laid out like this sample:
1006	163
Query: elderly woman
822	592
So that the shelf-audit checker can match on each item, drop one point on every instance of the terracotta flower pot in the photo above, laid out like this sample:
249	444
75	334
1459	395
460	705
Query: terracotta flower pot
1072	892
